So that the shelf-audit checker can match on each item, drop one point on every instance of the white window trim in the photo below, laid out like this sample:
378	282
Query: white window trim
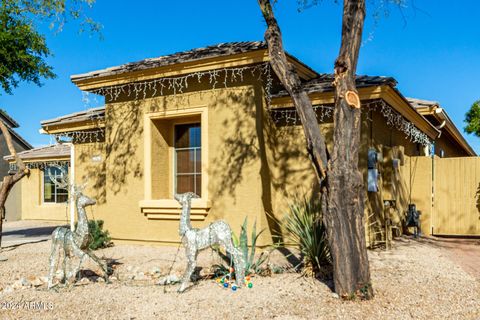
42	193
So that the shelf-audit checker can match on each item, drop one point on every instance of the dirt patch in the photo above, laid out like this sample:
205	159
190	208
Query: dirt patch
414	280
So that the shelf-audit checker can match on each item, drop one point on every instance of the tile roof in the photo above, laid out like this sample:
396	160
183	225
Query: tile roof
420	103
53	151
323	83
90	114
8	120
218	50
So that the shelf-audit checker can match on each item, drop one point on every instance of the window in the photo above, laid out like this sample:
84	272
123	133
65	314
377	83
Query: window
188	155
51	192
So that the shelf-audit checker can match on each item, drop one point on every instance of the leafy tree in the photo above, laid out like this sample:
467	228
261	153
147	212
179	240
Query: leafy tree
472	118
23	51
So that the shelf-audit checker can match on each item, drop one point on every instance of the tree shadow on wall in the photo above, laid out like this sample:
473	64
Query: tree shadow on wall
123	135
117	152
251	142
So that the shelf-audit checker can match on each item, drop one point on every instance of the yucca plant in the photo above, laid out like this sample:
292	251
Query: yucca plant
304	227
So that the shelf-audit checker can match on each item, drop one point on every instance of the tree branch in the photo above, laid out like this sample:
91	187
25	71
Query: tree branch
289	78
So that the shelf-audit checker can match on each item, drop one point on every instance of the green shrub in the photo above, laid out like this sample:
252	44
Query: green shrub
304	227
99	238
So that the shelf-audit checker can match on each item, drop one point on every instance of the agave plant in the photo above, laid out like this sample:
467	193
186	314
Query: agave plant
252	264
304	227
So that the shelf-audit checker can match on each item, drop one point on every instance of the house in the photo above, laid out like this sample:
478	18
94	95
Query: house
20	144
40	198
216	121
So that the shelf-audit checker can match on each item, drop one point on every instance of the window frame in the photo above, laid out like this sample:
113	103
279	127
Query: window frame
177	116
43	177
195	149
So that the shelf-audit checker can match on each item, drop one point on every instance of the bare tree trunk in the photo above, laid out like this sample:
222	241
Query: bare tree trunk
288	76
341	181
344	216
9	180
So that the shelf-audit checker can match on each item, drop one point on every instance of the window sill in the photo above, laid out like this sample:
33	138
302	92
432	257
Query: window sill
169	209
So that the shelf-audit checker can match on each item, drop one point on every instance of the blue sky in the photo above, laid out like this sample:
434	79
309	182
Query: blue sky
432	48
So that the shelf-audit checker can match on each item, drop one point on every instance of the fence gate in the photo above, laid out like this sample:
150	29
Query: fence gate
456	196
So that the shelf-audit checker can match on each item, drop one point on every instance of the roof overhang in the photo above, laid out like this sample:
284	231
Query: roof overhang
385	92
88	82
441	115
74	126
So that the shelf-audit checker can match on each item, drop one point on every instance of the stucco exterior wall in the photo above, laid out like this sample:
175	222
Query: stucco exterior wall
410	182
251	166
232	173
32	205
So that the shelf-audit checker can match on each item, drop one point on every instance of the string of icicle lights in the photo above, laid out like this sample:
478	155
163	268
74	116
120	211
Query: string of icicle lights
40	165
392	117
96	135
177	85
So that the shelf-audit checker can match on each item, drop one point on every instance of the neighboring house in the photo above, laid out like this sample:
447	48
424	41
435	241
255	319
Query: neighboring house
216	121
19	144
41	198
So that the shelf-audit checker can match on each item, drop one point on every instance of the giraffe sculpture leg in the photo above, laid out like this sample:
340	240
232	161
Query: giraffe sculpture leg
238	261
99	263
191	264
52	262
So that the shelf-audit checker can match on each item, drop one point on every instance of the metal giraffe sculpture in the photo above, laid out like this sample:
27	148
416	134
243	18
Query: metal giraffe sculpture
73	243
195	240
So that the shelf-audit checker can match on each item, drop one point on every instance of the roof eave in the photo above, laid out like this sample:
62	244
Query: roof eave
89	82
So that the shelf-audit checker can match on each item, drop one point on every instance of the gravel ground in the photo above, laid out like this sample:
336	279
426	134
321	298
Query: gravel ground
414	280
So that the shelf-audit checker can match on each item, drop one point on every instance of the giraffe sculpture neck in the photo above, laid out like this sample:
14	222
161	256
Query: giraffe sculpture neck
81	231
185	219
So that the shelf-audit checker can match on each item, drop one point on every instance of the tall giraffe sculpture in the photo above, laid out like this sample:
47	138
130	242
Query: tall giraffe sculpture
195	240
73	243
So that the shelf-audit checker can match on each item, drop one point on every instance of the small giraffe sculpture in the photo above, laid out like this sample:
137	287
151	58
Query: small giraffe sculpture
195	240
73	243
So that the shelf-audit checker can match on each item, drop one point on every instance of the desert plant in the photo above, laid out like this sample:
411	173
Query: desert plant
99	238
304	227
253	264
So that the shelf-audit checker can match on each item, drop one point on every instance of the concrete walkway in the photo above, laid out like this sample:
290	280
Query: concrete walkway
22	232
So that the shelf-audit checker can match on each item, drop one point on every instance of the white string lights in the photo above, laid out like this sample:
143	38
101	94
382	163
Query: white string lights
40	165
393	118
177	85
96	135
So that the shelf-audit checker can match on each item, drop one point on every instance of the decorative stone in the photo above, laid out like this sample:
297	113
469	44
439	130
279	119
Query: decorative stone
8	289
155	270
82	282
36	282
170	279
140	276
20	284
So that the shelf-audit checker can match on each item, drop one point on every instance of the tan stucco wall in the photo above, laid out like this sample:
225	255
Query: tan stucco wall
250	165
411	182
233	167
33	207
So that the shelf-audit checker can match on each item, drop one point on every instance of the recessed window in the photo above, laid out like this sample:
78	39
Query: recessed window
188	155
51	192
